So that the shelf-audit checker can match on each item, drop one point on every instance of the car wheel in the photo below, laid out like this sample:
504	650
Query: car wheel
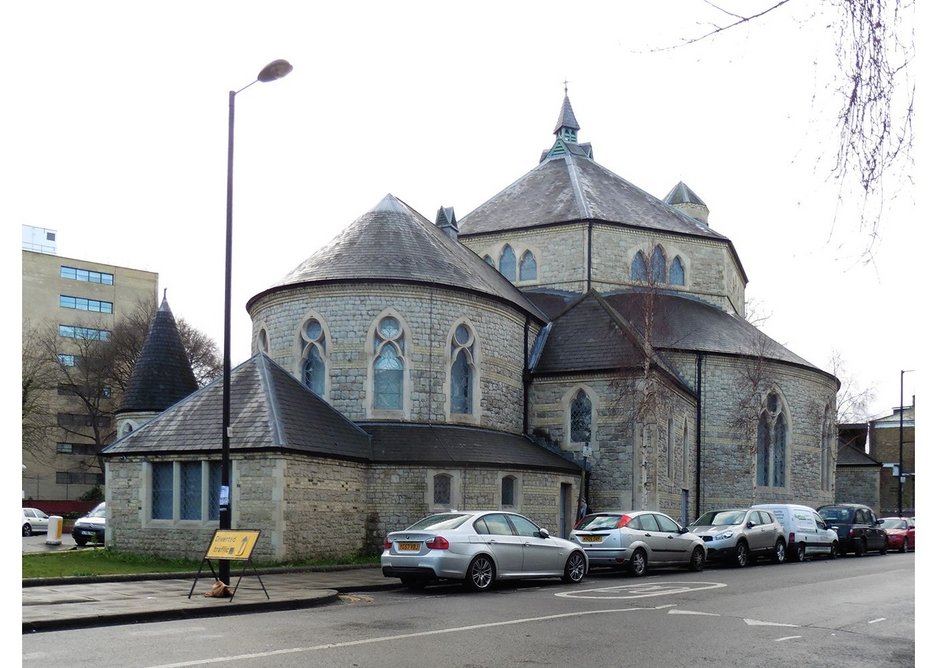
80	542
800	552
741	555
481	573
904	546
27	530
834	550
697	559
884	549
638	564
860	548
575	569
780	552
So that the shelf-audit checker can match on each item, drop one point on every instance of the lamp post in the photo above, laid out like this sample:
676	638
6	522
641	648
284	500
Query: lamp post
901	442
275	70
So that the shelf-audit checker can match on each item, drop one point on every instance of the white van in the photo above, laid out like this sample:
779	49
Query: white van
807	533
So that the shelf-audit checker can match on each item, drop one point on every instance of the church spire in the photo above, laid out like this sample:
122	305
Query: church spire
566	125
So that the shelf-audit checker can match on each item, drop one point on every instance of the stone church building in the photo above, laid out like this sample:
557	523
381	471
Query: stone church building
573	337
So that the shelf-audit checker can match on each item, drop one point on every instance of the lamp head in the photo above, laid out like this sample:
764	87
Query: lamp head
275	70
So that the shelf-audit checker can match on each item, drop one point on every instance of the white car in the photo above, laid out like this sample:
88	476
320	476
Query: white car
807	533
478	548
34	521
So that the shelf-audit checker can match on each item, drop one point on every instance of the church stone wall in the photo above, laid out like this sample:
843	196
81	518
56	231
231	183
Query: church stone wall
349	312
613	479
727	471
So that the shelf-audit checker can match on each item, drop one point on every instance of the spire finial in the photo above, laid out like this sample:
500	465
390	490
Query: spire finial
566	87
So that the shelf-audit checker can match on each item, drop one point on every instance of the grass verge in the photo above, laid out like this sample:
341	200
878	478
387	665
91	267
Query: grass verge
87	562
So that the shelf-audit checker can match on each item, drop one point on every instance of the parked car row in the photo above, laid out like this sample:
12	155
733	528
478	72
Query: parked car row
87	529
479	548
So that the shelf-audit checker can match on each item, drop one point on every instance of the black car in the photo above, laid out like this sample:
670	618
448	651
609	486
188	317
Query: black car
858	529
90	528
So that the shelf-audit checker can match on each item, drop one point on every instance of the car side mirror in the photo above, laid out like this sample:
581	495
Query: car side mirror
683	530
749	524
544	533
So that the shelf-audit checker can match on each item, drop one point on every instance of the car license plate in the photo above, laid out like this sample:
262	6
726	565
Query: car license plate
408	547
592	539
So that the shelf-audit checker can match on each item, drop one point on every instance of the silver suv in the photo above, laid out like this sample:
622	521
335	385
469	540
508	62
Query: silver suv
738	535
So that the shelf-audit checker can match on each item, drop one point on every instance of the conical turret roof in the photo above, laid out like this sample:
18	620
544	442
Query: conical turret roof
162	375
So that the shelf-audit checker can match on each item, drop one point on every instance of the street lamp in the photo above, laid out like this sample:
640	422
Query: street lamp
901	441
275	70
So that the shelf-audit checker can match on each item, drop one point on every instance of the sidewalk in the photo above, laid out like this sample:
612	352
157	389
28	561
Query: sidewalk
88	602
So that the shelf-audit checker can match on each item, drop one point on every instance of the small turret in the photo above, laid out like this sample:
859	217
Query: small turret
445	220
685	200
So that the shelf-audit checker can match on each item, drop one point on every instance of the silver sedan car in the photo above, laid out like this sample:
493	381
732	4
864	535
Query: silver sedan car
479	548
638	540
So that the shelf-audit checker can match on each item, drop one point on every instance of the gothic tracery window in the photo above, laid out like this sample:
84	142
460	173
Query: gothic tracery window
677	272
639	267
580	418
658	266
507	265
462	370
313	355
388	364
528	266
771	447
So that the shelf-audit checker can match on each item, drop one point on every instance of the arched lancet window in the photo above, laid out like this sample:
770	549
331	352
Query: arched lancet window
507	265
639	267
488	259
580	418
389	350
528	266
313	356
677	272
442	489
263	345
658	266
462	370
508	491
771	450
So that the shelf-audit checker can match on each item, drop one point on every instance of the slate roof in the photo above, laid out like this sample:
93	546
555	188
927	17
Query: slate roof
681	194
447	445
680	324
850	456
591	336
394	243
162	375
569	188
567	118
269	409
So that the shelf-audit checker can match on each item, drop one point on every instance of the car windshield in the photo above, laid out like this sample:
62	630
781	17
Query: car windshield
593	522
834	514
894	523
97	512
720	518
439	522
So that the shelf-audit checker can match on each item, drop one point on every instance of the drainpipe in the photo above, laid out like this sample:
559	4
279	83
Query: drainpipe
699	431
589	259
526	373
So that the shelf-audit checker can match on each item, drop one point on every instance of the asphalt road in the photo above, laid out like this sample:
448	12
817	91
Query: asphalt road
844	612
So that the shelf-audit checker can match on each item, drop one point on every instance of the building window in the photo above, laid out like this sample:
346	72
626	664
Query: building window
263	345
83	304
580	418
89	333
639	267
185	490
68	360
76	274
528	266
686	454
313	356
82	420
508	492
161	491
388	364
78	478
826	451
677	273
771	452
488	259
462	370
442	489
658	266
670	449
507	265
